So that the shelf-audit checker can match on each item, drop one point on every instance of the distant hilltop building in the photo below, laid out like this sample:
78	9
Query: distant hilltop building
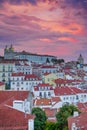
9	53
80	59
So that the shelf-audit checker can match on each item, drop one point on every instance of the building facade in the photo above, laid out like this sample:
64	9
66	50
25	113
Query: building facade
9	53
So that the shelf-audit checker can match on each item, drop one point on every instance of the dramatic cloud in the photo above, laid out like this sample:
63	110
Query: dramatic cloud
54	27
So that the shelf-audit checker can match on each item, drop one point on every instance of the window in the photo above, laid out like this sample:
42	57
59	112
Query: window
17	83
17	78
44	94
3	68
3	75
21	82
77	97
40	94
49	94
84	96
67	98
26	83
8	74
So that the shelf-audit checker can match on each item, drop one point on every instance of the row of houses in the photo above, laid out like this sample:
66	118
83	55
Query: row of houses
48	86
46	72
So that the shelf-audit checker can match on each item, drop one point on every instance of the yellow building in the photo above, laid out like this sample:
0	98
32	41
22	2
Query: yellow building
49	78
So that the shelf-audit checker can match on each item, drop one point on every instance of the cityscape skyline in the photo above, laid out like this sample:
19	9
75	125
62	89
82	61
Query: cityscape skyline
51	27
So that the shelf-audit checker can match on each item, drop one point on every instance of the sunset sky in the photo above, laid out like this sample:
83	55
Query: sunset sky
53	27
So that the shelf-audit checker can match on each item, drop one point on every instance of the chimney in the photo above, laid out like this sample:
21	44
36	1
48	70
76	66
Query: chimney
75	113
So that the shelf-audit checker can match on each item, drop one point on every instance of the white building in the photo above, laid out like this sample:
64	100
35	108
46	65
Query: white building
6	69
43	91
23	67
70	95
20	81
9	53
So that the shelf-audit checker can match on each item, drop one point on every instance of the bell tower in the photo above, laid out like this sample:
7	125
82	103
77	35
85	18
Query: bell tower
80	59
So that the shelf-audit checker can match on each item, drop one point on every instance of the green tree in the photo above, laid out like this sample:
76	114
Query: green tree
63	114
51	126
40	119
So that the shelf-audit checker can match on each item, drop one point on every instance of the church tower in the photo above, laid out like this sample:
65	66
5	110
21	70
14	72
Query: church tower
11	49
6	49
80	59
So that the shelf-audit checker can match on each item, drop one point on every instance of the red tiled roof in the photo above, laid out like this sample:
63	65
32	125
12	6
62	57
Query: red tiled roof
11	119
48	67
50	112
1	83
13	60
82	107
63	91
44	84
66	81
28	76
62	81
18	74
7	97
45	74
56	99
26	64
36	88
43	102
77	90
67	90
80	121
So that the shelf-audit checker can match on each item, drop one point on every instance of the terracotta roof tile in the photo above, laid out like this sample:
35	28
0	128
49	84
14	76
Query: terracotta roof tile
80	121
2	83
50	112
63	91
7	97
31	76
13	119
42	101
18	74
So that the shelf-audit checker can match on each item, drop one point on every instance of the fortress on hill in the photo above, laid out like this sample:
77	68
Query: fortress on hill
10	53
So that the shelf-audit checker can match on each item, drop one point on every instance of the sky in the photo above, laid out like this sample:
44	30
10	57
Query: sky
52	27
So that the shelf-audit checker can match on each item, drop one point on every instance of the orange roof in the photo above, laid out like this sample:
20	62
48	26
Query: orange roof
56	99
42	101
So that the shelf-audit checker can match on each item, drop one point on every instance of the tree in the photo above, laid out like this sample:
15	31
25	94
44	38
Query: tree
40	119
57	61
47	60
51	126
63	114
